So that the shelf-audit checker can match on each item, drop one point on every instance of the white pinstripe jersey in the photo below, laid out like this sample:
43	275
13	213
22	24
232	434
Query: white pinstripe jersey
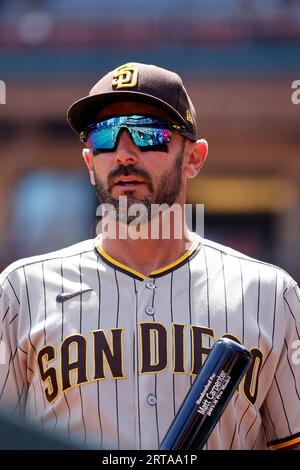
111	363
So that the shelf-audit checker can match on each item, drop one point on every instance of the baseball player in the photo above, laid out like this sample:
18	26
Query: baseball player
103	339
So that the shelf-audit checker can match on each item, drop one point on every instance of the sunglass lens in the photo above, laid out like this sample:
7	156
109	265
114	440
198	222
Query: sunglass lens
147	137
102	139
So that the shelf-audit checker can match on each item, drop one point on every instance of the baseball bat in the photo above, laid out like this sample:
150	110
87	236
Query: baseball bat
208	397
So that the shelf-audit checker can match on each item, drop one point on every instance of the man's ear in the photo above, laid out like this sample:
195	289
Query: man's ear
88	158
197	153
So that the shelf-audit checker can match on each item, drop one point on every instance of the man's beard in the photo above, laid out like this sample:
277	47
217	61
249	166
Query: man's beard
166	193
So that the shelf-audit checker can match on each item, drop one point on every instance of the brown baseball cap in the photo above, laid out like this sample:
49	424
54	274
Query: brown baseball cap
136	82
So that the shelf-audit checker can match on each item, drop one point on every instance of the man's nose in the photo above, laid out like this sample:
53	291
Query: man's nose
126	152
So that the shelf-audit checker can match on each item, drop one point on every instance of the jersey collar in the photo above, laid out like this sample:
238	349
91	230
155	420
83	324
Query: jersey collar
158	272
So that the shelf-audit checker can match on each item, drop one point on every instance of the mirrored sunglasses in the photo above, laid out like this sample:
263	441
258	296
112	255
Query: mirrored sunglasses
146	132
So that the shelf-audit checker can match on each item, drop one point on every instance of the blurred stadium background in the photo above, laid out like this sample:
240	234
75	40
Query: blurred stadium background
238	59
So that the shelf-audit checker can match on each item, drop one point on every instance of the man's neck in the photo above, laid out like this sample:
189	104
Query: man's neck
147	255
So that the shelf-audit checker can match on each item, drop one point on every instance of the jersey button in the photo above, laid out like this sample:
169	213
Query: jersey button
151	399
150	310
150	285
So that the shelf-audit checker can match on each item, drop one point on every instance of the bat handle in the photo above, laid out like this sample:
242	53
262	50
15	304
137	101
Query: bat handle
208	397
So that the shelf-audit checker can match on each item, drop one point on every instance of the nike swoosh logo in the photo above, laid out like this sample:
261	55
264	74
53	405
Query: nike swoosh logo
66	296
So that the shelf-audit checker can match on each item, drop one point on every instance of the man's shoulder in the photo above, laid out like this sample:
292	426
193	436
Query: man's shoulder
85	246
248	264
218	248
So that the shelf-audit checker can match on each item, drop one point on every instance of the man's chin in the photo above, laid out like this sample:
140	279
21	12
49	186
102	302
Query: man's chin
127	209
125	201
137	191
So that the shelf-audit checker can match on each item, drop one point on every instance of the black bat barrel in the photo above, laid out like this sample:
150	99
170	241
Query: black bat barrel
208	397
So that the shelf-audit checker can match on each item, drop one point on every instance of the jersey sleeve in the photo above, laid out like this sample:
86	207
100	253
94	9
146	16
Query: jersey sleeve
281	408
13	387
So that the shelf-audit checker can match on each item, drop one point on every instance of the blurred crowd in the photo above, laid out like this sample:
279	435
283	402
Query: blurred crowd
34	22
